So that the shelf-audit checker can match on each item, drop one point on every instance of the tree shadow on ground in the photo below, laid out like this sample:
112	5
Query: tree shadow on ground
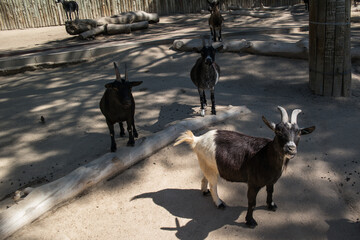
176	112
342	229
191	204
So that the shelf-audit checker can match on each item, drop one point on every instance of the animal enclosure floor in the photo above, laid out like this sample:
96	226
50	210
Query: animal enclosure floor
159	198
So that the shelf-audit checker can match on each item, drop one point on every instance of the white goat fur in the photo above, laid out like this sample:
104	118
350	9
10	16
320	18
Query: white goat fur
204	147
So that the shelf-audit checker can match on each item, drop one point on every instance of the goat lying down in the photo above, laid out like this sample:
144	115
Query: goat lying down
237	157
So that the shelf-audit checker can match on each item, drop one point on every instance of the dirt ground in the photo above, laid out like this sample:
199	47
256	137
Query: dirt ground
159	198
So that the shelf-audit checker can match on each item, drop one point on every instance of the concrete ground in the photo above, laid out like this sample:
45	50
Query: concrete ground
318	195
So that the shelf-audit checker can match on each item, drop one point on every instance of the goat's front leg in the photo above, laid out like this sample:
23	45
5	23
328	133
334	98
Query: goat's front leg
220	38
269	200
202	101
213	110
212	33
251	195
131	141
67	16
112	135
204	186
134	129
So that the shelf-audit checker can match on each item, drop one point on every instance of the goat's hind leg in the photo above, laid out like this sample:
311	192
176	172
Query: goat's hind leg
212	179
213	110
122	130
213	190
204	186
134	129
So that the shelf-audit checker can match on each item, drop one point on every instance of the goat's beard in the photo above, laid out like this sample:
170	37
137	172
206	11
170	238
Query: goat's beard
286	161
289	156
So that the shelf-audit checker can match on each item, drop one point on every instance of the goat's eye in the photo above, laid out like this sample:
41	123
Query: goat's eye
278	133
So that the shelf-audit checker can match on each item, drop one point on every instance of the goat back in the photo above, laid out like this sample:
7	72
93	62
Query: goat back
205	76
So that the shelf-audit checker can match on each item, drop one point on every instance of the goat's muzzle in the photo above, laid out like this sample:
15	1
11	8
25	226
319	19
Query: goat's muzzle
208	60
126	104
290	149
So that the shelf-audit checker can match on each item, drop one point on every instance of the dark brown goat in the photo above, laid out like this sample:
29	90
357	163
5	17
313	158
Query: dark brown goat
215	20
205	75
70	6
118	105
237	157
307	5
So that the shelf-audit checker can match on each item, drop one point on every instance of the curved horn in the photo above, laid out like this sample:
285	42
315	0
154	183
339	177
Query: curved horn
284	115
126	73
117	72
294	116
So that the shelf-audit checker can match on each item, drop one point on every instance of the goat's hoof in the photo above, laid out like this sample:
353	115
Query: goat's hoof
130	143
136	134
221	206
272	206
251	223
213	112
206	193
113	149
202	112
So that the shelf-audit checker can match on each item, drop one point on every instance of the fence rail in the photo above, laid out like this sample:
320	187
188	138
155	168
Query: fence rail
20	14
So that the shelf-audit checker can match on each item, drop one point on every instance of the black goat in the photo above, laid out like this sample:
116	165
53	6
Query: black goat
240	158
307	5
205	74
118	105
69	6
215	20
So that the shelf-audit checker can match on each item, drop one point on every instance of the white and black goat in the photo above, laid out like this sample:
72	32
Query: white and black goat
69	6
205	74
215	20
237	157
118	105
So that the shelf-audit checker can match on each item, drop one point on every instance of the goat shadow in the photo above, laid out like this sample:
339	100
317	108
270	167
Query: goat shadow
191	204
343	229
170	113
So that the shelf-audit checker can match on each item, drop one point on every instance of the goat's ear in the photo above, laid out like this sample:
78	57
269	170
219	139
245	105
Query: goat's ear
308	130
108	85
196	50
136	83
271	125
117	72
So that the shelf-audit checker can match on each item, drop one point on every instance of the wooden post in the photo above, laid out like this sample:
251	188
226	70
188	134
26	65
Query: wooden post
329	48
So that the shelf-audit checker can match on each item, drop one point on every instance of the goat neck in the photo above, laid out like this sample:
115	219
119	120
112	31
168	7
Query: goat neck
276	156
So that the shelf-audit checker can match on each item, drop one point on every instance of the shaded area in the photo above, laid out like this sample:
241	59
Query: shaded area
314	197
190	204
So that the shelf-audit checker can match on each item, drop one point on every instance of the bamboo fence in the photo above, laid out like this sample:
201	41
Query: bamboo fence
21	14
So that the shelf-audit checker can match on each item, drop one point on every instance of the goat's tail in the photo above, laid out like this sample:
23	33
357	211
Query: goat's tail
187	137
